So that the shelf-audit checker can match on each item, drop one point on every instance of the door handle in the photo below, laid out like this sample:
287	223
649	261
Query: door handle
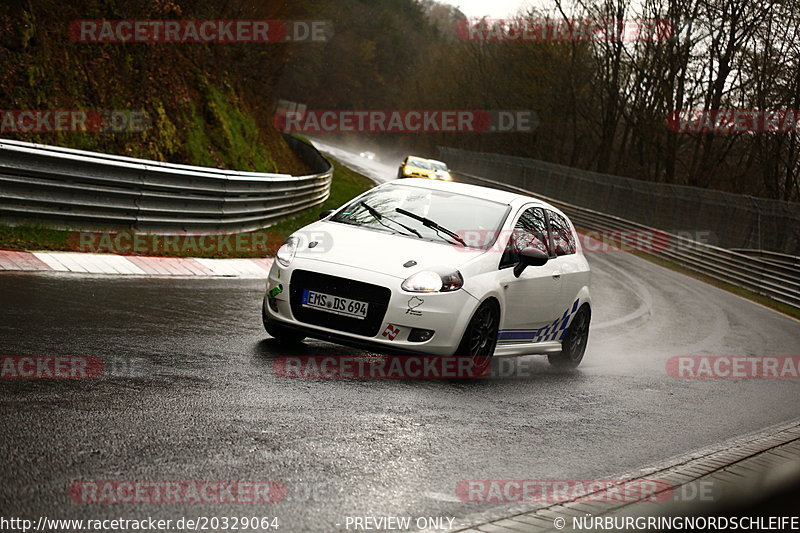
556	275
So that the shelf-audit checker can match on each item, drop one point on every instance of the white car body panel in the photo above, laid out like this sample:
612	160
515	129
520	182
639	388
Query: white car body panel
536	308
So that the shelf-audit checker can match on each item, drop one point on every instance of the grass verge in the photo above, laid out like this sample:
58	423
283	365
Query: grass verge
346	184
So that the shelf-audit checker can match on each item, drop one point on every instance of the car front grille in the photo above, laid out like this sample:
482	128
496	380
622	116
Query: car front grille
376	296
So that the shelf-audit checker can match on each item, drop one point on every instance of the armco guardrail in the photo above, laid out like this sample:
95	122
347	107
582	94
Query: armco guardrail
733	220
75	189
781	282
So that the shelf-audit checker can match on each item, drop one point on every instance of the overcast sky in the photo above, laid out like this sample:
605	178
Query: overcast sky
491	8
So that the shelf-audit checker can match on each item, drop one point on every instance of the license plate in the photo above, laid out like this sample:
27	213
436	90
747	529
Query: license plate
335	304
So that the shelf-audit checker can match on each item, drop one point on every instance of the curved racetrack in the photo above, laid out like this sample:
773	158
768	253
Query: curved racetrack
196	398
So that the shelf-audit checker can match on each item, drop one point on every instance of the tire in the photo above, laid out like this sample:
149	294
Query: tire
574	344
278	331
480	337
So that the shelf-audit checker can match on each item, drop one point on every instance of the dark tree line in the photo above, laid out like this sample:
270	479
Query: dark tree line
603	105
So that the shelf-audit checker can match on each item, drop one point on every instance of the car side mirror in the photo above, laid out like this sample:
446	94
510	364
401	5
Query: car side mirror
529	257
327	213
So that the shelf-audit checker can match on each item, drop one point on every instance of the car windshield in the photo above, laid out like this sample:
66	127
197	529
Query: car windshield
461	214
438	165
419	163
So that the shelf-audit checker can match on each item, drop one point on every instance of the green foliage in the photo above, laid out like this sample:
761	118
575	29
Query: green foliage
208	103
161	140
33	237
198	145
234	134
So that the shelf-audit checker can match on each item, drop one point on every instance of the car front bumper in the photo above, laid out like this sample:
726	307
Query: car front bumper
395	316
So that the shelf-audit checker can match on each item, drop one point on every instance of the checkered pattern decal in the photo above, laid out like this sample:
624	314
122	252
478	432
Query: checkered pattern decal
554	331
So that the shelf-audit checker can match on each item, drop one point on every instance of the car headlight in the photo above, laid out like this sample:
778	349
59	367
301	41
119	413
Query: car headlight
430	281
287	250
446	176
407	171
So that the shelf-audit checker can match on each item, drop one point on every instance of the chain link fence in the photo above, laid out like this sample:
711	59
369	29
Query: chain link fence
731	220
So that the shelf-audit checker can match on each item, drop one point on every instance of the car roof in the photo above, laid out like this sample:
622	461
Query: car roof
477	191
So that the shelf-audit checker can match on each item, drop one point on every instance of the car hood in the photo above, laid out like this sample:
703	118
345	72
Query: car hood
378	251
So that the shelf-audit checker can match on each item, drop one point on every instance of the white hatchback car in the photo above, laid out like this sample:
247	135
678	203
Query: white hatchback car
435	267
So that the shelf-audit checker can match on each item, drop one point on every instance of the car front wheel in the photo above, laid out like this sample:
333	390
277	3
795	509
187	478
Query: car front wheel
480	337
574	344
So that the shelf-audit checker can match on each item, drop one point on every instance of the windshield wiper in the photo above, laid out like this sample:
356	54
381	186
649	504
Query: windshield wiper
375	213
428	223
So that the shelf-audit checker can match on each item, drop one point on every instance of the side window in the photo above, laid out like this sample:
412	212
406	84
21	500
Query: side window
529	232
563	238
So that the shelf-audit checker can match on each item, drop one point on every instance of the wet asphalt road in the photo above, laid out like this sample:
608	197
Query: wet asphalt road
380	169
192	395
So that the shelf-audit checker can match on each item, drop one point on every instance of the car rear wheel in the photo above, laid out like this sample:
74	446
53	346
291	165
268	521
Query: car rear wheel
574	344
280	332
480	337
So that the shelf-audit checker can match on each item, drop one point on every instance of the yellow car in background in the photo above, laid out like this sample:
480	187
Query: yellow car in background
416	167
419	167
